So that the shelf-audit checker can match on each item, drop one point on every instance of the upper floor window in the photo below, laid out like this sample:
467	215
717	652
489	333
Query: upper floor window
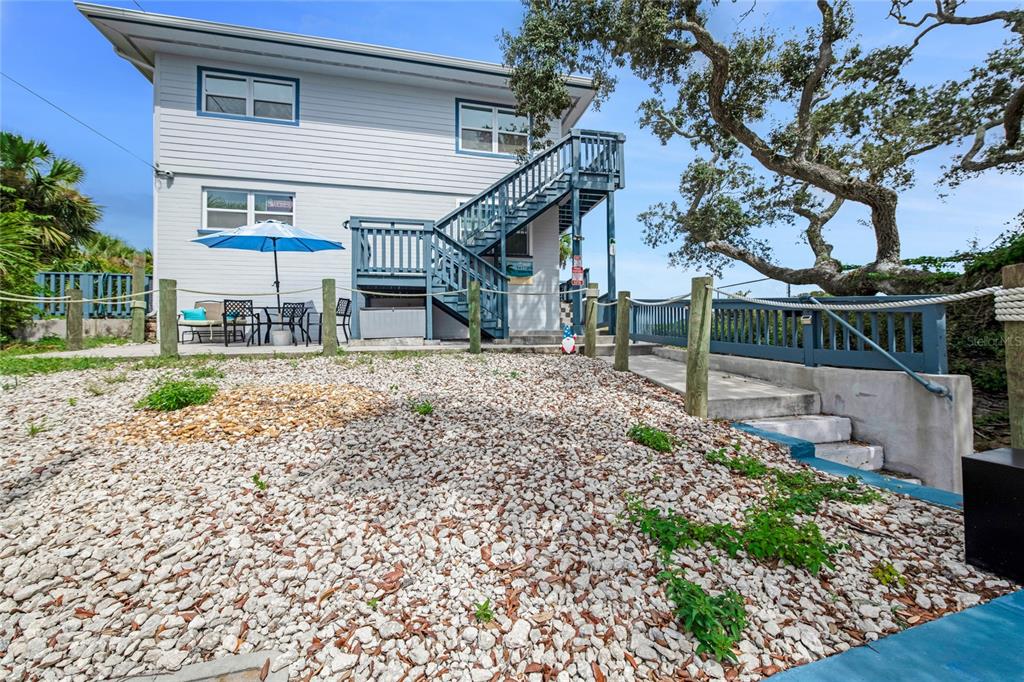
224	209
232	94
489	129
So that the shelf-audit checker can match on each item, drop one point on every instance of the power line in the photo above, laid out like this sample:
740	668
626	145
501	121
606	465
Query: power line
135	2
79	121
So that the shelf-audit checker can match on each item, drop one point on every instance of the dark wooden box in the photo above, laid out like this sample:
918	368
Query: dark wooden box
994	511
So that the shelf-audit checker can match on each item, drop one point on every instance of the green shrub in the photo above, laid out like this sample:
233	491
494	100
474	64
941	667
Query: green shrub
717	622
174	395
656	439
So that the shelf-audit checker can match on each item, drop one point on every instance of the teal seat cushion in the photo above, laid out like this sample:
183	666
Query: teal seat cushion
231	317
194	314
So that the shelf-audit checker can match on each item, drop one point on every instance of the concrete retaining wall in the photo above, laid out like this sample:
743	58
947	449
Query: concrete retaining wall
91	327
924	435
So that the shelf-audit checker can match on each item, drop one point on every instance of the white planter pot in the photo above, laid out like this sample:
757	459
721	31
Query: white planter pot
281	337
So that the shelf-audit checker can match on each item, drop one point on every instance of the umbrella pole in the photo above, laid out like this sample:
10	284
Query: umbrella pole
277	278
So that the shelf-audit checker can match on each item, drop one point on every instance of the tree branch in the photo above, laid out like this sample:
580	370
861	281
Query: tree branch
813	82
881	200
968	162
1012	116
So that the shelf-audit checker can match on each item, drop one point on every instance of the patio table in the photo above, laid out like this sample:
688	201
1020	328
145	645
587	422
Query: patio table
272	310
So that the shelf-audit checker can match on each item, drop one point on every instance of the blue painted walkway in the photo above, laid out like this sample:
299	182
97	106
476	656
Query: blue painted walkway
982	644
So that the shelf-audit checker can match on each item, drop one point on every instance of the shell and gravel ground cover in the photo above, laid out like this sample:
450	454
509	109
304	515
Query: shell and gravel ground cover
380	531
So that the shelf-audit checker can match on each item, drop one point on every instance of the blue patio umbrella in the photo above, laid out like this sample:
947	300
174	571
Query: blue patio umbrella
269	235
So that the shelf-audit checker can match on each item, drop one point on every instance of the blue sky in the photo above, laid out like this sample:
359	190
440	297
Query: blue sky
50	47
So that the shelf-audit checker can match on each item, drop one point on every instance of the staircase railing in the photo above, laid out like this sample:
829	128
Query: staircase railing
453	267
589	155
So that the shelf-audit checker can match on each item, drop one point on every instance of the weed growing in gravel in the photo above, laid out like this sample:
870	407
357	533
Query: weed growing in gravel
747	465
373	603
800	492
423	408
767	535
483	612
771	534
35	428
72	401
21	365
716	621
259	482
174	395
95	389
656	439
672	531
208	373
887	574
797	492
116	378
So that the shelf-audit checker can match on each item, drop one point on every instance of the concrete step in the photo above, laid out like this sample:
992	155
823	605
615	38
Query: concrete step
856	455
817	428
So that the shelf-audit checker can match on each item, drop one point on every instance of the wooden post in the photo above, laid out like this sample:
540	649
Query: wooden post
622	332
138	298
590	341
698	348
1013	337
73	320
474	317
329	320
167	318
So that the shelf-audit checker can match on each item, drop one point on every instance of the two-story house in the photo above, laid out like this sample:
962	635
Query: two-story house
251	124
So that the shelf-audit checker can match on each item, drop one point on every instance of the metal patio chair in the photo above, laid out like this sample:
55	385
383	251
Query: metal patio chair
239	313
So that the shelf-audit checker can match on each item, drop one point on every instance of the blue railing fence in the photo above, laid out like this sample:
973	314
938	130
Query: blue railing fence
93	285
915	335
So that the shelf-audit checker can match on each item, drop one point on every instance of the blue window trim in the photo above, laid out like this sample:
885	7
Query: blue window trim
201	70
458	136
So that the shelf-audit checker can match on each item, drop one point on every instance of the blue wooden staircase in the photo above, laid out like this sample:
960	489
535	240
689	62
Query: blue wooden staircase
439	258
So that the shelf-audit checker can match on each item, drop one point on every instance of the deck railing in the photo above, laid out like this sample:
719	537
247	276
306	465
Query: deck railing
393	248
916	336
93	285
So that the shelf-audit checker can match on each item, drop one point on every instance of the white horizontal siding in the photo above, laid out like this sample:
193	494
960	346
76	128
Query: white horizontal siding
538	313
319	209
351	132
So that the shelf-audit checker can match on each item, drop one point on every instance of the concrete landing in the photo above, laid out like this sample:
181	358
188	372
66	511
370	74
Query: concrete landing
729	396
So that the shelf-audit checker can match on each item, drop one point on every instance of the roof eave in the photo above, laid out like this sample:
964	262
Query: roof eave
96	14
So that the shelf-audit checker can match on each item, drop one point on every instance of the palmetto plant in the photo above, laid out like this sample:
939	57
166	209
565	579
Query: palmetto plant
43	217
46	185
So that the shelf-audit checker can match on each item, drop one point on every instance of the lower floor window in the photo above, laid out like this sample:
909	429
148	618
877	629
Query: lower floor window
224	209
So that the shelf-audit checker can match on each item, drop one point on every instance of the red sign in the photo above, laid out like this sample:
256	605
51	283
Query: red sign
577	275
